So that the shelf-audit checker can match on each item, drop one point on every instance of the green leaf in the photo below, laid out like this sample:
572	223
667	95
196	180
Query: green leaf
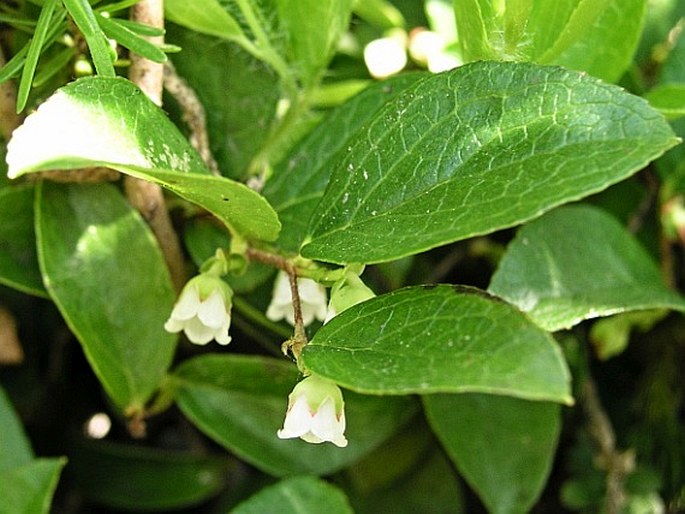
435	339
297	495
129	39
381	13
504	447
669	99
239	111
35	48
28	489
105	272
240	402
208	17
299	181
15	450
18	260
100	51
484	147
577	263
313	28
598	37
112	123
136	478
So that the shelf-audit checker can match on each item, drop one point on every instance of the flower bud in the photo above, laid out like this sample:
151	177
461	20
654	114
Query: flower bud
345	293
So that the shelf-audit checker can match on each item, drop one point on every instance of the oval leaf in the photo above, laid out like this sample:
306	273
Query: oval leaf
504	447
114	305
240	402
486	146
15	449
434	339
577	263
299	495
112	123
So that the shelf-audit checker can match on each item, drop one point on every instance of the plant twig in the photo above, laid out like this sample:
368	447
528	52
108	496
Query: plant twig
9	119
10	347
193	114
618	465
299	340
145	196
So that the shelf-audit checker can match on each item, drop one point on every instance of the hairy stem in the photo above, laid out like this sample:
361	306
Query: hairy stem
148	198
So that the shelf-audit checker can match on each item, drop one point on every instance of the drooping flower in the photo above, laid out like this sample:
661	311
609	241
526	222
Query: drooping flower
312	300
203	310
316	413
345	293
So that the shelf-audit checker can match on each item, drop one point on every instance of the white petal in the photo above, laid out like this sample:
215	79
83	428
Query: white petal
276	312
197	332
187	305
282	293
212	312
221	335
297	420
174	325
326	425
311	438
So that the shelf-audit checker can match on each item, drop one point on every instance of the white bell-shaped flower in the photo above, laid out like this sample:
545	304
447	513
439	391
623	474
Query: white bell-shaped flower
312	300
316	413
203	310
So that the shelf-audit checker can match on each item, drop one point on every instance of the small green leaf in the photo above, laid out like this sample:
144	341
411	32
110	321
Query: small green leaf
35	47
84	17
300	180
504	447
669	99
18	260
240	402
15	450
475	23
137	478
313	28
105	272
484	147
208	17
28	489
381	13
577	263
297	495
129	39
112	123
434	339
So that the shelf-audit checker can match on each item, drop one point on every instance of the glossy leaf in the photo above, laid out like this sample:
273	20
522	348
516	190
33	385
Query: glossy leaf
503	447
15	450
208	17
240	402
113	124
669	99
577	263
299	181
84	18
28	489
313	28
18	260
129	39
468	152
435	339
105	272
595	36
139	478
297	495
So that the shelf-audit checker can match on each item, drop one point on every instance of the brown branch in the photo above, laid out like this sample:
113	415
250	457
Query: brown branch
618	465
148	198
10	347
9	119
193	114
